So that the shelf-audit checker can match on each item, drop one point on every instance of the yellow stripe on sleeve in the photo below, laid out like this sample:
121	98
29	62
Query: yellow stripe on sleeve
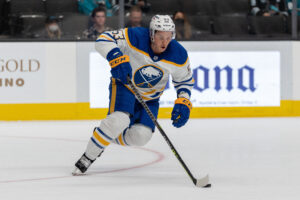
103	36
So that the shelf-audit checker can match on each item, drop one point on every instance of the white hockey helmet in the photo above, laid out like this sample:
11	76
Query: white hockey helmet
161	23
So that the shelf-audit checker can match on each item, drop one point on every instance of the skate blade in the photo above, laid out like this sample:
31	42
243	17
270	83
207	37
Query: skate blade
77	172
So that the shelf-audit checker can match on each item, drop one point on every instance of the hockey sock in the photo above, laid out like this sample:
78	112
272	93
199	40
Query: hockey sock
100	138
121	139
99	141
136	135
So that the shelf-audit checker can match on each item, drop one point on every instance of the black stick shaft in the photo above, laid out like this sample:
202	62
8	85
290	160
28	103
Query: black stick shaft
139	98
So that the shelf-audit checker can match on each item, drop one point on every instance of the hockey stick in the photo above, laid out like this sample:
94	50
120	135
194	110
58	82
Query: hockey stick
203	182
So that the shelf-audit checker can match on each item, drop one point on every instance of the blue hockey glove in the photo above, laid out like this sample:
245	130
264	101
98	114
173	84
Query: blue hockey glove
120	66
181	112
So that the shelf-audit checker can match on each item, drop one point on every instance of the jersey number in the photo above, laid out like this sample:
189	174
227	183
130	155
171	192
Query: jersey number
118	35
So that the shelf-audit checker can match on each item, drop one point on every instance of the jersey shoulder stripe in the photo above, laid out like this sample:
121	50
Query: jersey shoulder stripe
175	54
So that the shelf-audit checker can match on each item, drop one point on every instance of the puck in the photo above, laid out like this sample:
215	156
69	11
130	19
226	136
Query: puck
207	186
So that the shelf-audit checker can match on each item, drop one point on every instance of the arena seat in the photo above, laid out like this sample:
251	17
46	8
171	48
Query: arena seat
289	24
164	7
20	7
231	25
232	7
200	7
201	26
58	7
268	26
26	17
1	7
201	22
31	26
1	15
74	25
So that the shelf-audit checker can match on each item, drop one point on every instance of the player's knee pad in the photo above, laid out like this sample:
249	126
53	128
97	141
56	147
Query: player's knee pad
138	135
115	123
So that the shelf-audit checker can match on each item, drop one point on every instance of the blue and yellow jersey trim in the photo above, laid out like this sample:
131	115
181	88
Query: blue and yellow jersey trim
157	93
188	82
145	98
106	37
173	63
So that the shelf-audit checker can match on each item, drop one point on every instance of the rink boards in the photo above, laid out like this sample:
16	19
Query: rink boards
49	81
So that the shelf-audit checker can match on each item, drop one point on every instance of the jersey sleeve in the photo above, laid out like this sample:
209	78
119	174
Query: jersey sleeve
110	40
183	80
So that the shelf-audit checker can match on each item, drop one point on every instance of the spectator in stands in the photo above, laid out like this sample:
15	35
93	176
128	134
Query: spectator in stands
52	29
290	6
183	26
268	7
99	26
143	4
87	6
110	8
136	17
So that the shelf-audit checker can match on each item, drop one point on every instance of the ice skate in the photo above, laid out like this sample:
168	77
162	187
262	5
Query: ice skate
82	165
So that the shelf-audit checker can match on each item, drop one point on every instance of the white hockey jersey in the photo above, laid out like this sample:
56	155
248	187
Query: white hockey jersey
150	72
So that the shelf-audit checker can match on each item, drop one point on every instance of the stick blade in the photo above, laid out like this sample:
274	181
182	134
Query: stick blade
203	182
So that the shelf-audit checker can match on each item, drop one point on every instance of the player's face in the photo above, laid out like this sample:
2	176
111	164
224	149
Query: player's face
161	41
99	18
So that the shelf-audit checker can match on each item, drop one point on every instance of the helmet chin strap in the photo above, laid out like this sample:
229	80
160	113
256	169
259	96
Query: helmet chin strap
152	45
152	35
152	39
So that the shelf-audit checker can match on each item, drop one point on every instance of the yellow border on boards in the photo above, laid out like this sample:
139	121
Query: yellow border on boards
82	111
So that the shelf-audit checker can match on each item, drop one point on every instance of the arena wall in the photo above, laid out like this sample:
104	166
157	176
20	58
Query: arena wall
51	81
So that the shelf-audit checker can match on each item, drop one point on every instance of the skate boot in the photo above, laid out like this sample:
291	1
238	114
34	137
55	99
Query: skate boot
82	165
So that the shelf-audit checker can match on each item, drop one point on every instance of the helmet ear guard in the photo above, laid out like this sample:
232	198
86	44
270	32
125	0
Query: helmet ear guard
161	23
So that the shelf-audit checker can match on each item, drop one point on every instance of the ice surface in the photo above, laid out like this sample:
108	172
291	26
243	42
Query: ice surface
246	158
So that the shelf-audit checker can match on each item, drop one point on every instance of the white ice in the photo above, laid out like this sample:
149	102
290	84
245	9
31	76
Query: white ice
246	158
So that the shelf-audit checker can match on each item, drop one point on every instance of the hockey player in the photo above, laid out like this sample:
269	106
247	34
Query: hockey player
148	57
